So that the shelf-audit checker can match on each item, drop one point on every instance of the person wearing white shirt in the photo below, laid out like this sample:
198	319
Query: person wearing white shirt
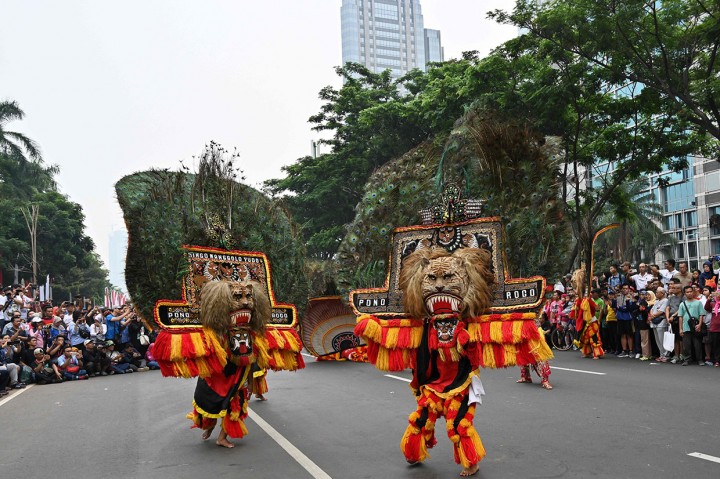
642	278
3	301
668	272
98	329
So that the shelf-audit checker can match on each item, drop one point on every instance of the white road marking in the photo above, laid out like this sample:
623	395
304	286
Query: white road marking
397	377
293	451
15	394
578	371
707	457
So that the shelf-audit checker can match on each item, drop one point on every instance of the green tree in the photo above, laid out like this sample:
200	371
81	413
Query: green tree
669	46
366	117
11	142
64	251
638	238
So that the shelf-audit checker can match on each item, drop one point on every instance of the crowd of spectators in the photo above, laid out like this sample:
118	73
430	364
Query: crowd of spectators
43	343
637	307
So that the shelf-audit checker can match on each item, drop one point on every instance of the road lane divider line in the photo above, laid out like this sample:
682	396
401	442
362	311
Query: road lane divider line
707	457
12	396
293	451
578	371
397	377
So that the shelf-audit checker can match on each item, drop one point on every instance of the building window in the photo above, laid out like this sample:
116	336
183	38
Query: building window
714	219
690	219
715	246
712	181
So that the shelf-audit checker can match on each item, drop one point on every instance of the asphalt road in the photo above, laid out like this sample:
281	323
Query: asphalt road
345	420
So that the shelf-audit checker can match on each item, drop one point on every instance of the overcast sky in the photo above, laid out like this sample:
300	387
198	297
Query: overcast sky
111	88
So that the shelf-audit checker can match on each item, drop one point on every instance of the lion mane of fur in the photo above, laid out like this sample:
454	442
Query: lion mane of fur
218	302
474	263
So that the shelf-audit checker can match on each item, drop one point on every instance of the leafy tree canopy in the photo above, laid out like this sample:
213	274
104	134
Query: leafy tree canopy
668	46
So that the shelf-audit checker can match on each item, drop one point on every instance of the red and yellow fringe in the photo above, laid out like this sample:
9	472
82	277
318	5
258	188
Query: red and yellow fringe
503	340
188	355
282	347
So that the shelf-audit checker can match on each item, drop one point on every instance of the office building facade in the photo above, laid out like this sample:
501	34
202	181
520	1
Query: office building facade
387	34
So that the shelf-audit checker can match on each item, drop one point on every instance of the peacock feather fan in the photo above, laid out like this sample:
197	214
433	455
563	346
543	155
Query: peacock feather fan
164	210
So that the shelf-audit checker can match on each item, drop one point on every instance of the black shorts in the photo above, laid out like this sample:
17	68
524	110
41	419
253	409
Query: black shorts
625	327
675	325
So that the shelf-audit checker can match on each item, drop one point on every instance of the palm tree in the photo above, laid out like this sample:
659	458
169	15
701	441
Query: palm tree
13	143
639	237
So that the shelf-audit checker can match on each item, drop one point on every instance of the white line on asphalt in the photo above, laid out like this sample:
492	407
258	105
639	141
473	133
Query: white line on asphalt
294	452
16	394
700	455
397	377
579	371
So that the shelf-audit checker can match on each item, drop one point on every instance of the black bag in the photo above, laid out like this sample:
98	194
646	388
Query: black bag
658	319
84	333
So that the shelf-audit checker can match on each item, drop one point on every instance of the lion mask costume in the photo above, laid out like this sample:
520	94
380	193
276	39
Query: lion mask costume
435	282
228	304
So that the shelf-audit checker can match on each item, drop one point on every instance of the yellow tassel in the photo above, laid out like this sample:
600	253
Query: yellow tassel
473	330
204	369
517	331
261	351
176	347
510	355
279	360
212	339
488	356
478	446
391	338
383	360
279	338
496	335
423	453
291	342
182	369
372	330
198	344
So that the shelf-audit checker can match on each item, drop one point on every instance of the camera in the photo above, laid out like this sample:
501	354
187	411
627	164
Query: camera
14	343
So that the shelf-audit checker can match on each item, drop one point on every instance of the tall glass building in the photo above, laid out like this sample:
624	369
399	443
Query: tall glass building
387	34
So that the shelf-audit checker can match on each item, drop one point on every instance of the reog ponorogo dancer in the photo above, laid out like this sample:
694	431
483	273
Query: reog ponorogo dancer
234	332
447	310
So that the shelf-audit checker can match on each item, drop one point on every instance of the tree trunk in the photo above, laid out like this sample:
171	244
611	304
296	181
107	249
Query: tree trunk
569	265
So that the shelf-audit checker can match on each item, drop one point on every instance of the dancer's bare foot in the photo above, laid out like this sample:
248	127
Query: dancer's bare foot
470	471
222	441
206	434
260	397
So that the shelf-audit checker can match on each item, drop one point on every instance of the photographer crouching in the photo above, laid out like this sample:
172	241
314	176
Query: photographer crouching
96	361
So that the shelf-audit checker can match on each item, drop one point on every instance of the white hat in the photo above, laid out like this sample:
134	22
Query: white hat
36	319
38	351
